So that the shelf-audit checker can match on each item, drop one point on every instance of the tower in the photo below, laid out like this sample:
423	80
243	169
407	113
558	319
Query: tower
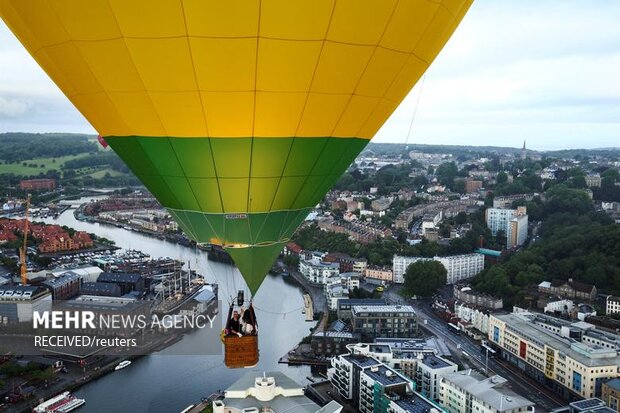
523	151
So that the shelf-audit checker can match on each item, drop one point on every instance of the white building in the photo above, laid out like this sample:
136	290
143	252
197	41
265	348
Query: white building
320	272
272	392
470	392
18	303
613	305
350	280
429	371
364	380
87	273
458	267
478	318
400	265
333	293
559	306
513	222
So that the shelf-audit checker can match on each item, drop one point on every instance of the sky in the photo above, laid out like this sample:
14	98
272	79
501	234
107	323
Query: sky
543	71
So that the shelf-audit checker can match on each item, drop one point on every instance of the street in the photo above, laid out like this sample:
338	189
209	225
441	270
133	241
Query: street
459	344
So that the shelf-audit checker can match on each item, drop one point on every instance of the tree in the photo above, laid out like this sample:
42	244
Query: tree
424	278
502	178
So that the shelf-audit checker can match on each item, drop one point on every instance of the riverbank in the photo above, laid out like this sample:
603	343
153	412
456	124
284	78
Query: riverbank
175	238
169	381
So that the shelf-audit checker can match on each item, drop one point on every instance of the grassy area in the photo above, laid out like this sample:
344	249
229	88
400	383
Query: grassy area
42	165
101	173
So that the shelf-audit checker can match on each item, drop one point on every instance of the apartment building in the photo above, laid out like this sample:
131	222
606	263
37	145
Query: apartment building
415	359
375	272
461	267
318	273
471	392
458	267
574	359
384	321
429	371
371	386
513	222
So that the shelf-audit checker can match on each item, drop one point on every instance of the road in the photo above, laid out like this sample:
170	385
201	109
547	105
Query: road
544	399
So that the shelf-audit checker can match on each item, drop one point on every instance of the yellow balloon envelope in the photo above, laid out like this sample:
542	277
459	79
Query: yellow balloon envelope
238	115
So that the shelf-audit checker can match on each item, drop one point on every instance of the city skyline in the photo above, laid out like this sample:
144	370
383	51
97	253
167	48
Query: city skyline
508	74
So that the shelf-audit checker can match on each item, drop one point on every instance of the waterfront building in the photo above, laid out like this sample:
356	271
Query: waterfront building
318	272
101	289
272	392
18	303
127	282
350	280
513	222
346	262
384	321
335	292
332	343
471	392
87	273
64	287
574	359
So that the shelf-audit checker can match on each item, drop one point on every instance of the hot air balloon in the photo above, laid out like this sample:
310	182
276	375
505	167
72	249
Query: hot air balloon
238	115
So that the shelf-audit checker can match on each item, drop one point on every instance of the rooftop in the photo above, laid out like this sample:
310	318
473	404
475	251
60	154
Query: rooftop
361	361
585	353
614	384
415	404
21	292
398	309
273	391
435	362
386	376
488	390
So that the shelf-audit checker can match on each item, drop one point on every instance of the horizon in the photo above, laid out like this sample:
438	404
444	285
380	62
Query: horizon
606	148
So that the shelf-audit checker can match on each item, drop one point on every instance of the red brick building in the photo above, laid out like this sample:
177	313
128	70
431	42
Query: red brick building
37	184
52	237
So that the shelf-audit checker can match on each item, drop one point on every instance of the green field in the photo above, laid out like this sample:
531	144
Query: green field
101	173
43	165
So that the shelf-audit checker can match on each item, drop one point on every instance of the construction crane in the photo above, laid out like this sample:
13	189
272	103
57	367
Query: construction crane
23	251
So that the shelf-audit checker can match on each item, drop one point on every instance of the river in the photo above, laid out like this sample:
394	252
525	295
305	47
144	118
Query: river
168	383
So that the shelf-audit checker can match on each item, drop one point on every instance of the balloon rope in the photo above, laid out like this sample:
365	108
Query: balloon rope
279	312
415	110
